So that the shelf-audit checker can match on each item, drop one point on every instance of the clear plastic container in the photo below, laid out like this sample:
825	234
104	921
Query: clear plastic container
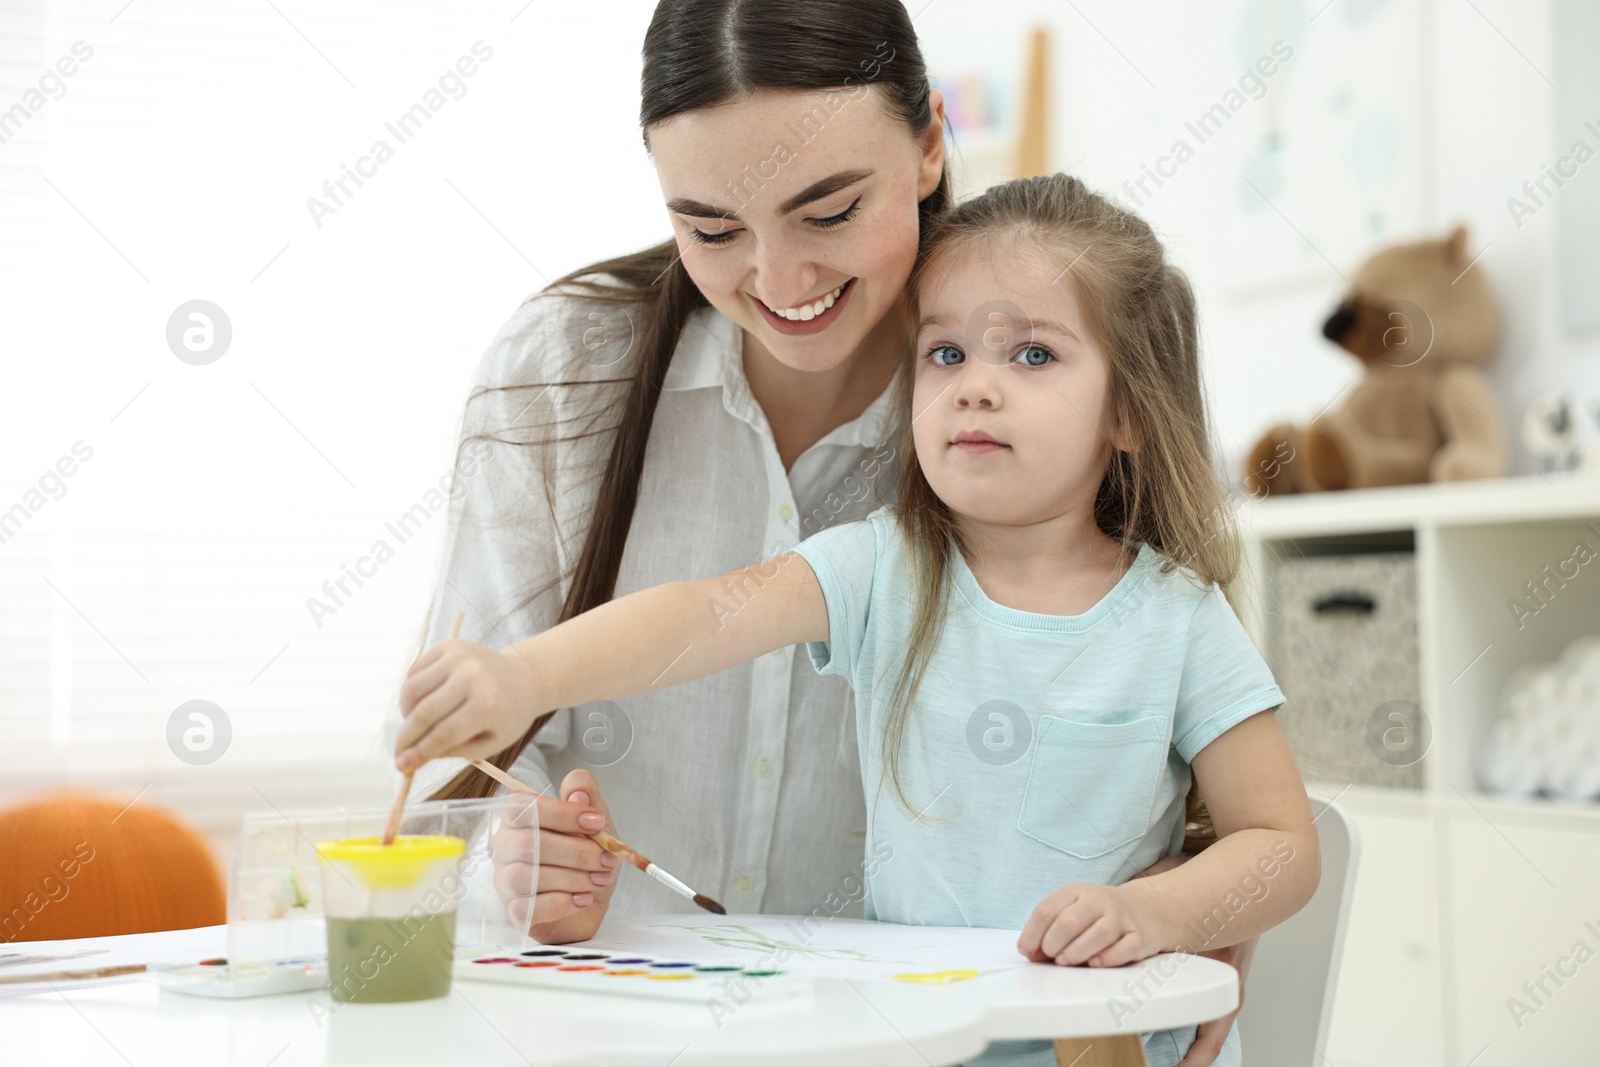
391	915
277	898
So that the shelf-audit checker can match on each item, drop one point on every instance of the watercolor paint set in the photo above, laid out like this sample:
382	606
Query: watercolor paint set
215	978
632	975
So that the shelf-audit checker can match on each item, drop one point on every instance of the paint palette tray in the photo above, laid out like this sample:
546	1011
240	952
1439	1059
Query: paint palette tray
633	975
219	980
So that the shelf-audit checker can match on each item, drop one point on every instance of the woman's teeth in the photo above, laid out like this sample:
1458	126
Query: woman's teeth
806	312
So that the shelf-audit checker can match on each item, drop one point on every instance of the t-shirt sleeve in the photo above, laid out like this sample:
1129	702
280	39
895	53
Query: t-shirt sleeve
844	558
1224	681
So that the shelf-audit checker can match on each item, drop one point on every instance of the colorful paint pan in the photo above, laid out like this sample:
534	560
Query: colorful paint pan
688	981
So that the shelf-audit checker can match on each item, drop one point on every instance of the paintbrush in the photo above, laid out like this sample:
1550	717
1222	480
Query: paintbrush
393	825
78	975
83	973
611	844
632	855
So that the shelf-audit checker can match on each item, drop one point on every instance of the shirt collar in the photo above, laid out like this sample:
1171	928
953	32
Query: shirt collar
710	353
707	354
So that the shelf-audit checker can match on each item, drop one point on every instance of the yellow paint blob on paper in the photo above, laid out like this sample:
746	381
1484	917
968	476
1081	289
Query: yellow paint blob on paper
935	977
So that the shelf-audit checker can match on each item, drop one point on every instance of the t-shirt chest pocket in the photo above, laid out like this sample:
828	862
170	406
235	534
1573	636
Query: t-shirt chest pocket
1092	785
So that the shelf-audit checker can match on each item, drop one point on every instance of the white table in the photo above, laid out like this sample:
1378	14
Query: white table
846	1024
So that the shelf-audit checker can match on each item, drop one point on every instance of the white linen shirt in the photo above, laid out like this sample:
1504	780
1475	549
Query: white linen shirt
744	784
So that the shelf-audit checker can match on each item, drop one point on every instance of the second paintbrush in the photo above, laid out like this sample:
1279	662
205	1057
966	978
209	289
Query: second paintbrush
611	844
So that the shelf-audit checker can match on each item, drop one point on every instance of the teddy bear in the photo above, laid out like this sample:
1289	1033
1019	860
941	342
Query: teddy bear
1422	319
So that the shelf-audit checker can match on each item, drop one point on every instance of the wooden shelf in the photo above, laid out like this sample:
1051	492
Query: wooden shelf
1487	503
1454	882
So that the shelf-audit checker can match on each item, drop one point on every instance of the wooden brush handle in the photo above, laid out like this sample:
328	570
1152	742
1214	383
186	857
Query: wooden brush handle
503	778
604	840
391	829
611	844
78	975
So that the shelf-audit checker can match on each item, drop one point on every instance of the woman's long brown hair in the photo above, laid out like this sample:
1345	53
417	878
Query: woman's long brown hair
697	54
1164	492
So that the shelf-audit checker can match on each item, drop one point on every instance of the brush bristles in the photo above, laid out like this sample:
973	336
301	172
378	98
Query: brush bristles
710	905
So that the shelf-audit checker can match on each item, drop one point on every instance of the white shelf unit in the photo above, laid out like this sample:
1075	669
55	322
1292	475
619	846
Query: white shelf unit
1462	896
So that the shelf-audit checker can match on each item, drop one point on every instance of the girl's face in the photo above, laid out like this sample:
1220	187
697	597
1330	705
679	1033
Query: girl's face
1004	351
796	212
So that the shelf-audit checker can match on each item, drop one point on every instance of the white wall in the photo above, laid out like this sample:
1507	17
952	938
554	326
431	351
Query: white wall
1487	123
178	164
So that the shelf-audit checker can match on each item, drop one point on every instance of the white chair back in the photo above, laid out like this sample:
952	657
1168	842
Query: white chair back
1288	999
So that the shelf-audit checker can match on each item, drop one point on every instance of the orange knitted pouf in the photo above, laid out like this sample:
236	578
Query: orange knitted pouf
70	871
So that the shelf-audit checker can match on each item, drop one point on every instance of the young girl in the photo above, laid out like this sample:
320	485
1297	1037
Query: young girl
1036	632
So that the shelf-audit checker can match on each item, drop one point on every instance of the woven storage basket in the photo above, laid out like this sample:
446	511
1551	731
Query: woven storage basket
1342	643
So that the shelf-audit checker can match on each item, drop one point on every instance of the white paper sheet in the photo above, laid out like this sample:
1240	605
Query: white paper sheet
832	947
166	947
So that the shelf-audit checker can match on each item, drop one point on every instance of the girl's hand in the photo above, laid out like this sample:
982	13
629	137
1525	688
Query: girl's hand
461	699
554	881
1097	925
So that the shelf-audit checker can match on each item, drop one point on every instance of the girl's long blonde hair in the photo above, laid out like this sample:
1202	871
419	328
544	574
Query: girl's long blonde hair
1164	492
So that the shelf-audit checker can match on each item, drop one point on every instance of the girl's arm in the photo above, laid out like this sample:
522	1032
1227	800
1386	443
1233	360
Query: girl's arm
1263	869
1266	863
461	699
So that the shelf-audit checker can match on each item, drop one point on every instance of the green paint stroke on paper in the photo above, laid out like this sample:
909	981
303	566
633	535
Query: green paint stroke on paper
743	937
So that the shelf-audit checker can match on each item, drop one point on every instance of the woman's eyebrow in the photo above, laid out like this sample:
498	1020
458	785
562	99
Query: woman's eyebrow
810	194
695	209
826	187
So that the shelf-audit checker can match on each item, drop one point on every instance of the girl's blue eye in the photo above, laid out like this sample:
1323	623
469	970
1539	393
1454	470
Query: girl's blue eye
1035	350
933	354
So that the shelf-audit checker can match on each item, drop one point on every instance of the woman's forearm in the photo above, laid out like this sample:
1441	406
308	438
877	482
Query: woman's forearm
1245	884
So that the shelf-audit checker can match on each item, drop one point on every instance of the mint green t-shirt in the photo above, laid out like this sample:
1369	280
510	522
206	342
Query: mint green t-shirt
1042	749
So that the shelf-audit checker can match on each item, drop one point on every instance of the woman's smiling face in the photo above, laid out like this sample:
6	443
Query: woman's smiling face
796	212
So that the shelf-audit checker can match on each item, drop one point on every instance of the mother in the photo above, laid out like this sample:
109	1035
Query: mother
694	408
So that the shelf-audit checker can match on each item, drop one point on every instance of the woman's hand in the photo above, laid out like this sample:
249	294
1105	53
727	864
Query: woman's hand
1097	925
462	699
1210	1035
575	876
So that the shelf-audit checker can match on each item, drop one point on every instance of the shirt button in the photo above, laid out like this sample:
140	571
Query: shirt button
763	766
745	885
786	512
